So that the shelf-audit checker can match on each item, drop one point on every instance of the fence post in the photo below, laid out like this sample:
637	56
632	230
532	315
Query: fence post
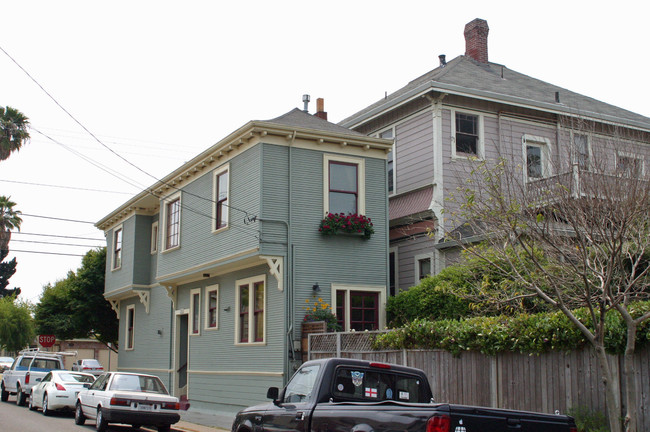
404	357
338	344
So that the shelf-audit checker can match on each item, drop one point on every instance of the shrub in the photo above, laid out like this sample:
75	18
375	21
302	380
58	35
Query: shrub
588	420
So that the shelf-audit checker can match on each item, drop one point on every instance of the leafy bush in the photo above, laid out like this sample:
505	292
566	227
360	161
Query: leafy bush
588	420
523	333
322	311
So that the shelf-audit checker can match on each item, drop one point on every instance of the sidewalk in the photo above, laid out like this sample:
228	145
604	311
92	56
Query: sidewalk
194	420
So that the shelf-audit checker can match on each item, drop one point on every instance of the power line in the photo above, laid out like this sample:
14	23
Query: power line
52	243
53	235
47	253
64	187
60	219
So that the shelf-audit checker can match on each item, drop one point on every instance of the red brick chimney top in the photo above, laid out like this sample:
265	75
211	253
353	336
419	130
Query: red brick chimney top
476	34
320	109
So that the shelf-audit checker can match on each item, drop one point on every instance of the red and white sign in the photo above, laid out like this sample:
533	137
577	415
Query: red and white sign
371	392
46	340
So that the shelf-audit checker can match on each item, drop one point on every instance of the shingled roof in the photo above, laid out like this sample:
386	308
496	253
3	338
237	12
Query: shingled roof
495	82
301	119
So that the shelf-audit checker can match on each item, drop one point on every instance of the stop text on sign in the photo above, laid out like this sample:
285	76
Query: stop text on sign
46	340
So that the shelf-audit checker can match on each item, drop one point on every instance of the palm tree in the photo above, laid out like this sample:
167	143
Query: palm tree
9	219
13	131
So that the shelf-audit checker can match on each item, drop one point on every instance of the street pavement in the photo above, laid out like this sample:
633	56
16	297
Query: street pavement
194	420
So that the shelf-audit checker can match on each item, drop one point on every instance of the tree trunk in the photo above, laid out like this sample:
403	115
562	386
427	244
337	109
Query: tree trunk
631	417
5	236
612	392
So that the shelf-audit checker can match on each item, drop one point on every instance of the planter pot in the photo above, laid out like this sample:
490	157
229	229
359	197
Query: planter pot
307	329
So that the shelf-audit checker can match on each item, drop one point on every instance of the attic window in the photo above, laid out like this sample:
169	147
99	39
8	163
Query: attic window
467	134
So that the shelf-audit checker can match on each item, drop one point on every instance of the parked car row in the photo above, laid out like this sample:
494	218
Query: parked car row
111	397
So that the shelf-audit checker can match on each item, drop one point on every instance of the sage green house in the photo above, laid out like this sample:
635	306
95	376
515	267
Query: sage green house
210	269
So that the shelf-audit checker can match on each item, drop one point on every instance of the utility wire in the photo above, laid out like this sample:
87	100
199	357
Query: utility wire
53	235
111	150
60	219
52	243
47	253
64	187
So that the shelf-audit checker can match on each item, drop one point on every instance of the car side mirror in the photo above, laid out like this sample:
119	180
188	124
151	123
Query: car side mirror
273	393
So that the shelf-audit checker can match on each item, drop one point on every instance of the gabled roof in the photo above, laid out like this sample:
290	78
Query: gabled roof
494	82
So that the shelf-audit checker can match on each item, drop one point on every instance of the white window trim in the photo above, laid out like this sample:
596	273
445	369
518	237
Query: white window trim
113	266
574	152
629	155
394	151
155	235
126	328
545	145
416	262
480	150
195	331
208	290
368	288
166	201
215	174
251	281
361	173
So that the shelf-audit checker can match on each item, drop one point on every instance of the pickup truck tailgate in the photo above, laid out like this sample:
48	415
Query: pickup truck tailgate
493	419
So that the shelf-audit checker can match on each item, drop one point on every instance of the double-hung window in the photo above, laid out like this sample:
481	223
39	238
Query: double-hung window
195	311
117	247
423	266
537	154
581	151
221	195
467	134
130	327
154	237
212	307
251	305
172	223
344	185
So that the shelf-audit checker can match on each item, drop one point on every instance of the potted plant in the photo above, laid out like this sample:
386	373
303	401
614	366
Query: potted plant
321	312
352	223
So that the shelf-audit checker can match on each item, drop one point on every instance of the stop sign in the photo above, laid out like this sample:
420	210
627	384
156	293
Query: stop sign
46	340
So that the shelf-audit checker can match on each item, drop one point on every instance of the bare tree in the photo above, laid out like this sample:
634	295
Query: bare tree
574	230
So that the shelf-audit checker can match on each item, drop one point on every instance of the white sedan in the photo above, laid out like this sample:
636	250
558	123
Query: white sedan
129	398
58	390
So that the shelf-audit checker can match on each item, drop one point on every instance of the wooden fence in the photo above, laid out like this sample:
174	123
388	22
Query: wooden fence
550	382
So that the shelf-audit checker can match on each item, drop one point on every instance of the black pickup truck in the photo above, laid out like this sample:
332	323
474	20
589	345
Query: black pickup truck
345	395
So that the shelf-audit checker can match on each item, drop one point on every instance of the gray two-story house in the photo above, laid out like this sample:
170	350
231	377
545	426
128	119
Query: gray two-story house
470	109
211	268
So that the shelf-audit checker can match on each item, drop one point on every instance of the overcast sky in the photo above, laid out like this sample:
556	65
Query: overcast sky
158	82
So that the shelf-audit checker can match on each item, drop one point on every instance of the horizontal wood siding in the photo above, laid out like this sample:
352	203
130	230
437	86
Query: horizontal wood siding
229	393
142	248
275	199
197	242
414	150
151	352
334	259
122	277
407	250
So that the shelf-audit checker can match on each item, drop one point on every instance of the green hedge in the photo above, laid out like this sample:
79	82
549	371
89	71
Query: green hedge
524	333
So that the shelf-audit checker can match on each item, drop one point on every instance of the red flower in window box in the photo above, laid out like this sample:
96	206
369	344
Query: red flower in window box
335	223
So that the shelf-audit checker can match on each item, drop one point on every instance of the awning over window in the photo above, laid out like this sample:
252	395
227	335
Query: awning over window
412	203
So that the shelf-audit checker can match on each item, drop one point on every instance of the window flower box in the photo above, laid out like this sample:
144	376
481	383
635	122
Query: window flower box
350	224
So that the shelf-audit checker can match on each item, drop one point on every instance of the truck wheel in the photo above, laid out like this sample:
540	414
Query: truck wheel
20	396
79	417
4	394
164	428
101	424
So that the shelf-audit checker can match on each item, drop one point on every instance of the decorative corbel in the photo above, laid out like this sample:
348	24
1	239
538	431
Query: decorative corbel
115	305
275	267
144	298
171	293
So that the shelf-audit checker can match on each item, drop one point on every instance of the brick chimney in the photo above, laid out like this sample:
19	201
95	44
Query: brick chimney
320	109
476	34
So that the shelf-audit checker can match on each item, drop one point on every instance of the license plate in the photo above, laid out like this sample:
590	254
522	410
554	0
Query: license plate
142	407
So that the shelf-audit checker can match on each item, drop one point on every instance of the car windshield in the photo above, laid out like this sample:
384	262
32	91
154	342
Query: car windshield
91	363
76	378
139	383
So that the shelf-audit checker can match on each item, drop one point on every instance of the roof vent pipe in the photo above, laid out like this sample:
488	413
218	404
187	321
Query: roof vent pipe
443	60
305	100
